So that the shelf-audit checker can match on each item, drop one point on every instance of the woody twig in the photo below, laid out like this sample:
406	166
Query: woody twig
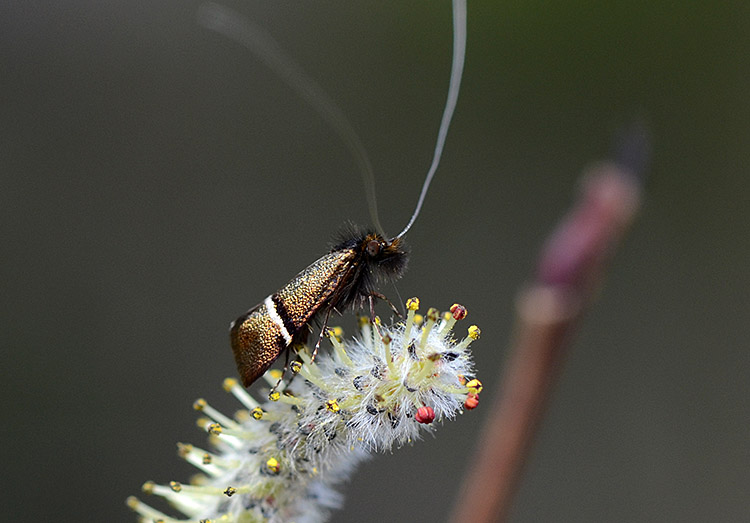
568	275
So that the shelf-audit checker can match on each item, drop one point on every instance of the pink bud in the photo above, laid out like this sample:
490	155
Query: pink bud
425	415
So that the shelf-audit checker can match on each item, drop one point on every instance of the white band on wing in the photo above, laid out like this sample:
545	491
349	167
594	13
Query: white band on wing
271	308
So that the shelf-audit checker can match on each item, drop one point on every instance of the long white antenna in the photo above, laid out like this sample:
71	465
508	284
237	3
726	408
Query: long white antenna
236	27
459	53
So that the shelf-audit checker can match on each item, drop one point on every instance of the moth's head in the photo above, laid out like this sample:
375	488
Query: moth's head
386	258
381	258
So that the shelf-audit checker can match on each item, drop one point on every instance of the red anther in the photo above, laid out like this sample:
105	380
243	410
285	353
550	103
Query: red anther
472	400
458	311
425	415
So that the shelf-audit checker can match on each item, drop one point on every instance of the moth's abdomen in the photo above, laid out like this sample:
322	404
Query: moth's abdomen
257	340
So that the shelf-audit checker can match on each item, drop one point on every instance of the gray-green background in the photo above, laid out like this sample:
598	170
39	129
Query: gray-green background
156	181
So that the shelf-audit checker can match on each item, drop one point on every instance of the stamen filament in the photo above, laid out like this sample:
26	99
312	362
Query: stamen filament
203	406
339	350
431	319
147	511
239	392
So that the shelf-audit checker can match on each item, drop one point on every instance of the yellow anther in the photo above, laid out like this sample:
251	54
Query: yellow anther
275	374
433	314
230	491
199	404
274	396
333	406
207	459
257	413
412	304
273	465
132	502
296	366
229	384
183	449
338	332
474	386
418	319
363	320
175	485
214	428
447	315
148	487
377	321
474	332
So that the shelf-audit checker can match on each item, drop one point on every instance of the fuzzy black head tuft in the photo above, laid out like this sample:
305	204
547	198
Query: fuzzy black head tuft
377	261
384	259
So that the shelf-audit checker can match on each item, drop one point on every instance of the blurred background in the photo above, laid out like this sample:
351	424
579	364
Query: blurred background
156	181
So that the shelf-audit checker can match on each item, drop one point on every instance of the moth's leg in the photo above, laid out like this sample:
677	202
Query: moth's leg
382	297
283	372
322	333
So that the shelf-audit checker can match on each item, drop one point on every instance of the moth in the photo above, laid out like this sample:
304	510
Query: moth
346	277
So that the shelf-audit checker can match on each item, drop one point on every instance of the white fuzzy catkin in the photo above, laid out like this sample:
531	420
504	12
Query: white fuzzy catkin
281	460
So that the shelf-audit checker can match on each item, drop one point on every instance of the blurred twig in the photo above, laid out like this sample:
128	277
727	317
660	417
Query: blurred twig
568	274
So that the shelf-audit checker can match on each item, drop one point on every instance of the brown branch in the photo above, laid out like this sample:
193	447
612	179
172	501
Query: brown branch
568	275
